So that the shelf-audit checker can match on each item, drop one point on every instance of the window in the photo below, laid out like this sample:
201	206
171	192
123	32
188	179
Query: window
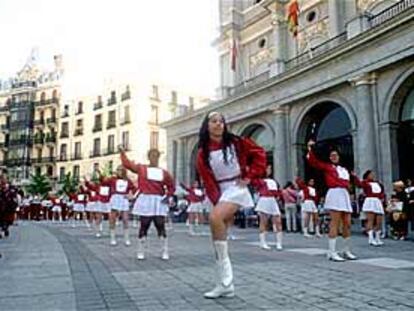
311	16
65	111
111	144
154	114
79	127
63	152
154	140
62	173
38	170
80	108
125	139
76	172
79	123
127	118
257	1
174	97
39	153
78	150
53	115
43	97
98	123
49	171
96	147
155	91
54	94
64	130
111	119
262	43
51	152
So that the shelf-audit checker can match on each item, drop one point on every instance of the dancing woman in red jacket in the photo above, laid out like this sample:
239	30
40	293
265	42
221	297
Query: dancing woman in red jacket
338	202
227	164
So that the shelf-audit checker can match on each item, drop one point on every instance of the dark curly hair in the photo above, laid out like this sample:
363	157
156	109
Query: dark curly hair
204	139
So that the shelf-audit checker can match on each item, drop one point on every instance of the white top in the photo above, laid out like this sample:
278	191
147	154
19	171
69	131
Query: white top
342	172
221	170
121	185
375	187
271	184
155	174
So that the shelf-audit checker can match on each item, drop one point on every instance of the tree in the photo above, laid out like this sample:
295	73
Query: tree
39	184
68	184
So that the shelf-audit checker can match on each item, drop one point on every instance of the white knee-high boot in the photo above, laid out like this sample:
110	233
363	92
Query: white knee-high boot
164	248
263	243
141	248
224	287
126	237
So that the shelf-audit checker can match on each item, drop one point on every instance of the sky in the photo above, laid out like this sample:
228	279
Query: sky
165	40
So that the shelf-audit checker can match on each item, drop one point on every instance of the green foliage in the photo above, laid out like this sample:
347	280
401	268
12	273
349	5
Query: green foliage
68	185
39	184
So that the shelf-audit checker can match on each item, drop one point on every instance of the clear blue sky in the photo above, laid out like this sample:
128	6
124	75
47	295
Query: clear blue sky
162	39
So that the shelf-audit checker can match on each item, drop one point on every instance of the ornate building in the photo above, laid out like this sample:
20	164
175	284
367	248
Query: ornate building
347	79
28	118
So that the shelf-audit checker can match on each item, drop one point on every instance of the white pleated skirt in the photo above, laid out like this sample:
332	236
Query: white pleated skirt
103	207
373	205
309	206
268	205
78	207
195	208
119	202
233	193
57	209
90	207
150	205
337	199
207	205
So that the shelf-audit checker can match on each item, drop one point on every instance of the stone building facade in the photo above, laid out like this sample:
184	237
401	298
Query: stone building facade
346	80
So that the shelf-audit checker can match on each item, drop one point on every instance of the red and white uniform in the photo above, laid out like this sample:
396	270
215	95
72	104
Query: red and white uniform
196	198
79	200
337	179
268	191
154	184
119	193
309	197
93	199
374	195
245	159
102	196
56	205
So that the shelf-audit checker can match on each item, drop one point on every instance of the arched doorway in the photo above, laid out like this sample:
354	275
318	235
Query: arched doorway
330	126
193	167
263	137
406	137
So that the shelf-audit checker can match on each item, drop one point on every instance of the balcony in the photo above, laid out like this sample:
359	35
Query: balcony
39	140
39	122
50	139
76	156
126	120
95	153
110	125
4	145
97	128
62	158
51	121
24	140
65	114
5	127
126	96
78	132
64	135
111	101
109	151
97	105
4	109
78	112
49	159
46	102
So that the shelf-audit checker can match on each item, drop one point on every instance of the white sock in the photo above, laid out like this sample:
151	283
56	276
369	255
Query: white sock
370	235
347	247
279	236
332	245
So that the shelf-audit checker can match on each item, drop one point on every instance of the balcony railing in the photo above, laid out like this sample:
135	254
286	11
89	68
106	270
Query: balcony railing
125	120
43	160
65	114
24	140
5	127
111	124
111	101
39	140
51	121
39	122
126	96
95	153
109	151
76	156
63	157
391	12
79	112
97	105
64	135
51	139
97	128
78	132
46	102
4	109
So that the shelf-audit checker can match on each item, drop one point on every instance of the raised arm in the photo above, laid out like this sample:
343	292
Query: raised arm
128	164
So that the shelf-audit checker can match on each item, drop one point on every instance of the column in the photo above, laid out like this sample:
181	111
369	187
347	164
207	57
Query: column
279	37
334	18
366	138
180	160
389	156
280	151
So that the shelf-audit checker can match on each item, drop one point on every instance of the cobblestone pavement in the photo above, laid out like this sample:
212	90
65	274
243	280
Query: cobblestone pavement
55	267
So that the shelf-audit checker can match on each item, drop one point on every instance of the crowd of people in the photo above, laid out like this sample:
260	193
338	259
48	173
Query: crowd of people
233	179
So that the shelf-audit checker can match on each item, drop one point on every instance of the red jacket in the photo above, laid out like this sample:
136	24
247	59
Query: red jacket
330	172
152	180
252	162
81	197
368	188
192	196
100	189
112	182
307	191
92	190
262	188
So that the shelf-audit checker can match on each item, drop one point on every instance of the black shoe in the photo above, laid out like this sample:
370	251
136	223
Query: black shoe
6	232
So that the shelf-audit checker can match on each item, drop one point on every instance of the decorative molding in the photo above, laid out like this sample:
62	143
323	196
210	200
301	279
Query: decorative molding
264	55
363	79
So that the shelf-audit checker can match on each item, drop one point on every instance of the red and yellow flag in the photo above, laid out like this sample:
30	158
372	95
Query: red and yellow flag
293	17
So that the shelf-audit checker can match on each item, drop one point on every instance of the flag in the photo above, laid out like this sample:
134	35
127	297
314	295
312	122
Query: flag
293	17
233	55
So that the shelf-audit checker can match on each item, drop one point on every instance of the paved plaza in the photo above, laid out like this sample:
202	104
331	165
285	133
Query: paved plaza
55	267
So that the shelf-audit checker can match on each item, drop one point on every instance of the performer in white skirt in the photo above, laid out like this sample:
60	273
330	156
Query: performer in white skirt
95	205
195	197
156	186
226	164
373	205
338	202
56	209
267	206
121	189
309	203
79	202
